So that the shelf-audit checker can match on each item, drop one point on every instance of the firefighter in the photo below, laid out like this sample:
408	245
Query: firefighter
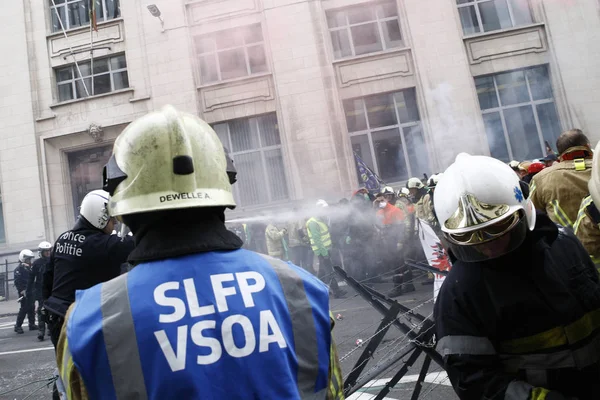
421	198
558	190
276	245
34	285
197	317
21	278
81	258
320	241
516	318
587	226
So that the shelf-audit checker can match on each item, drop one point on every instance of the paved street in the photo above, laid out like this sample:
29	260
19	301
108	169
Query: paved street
23	359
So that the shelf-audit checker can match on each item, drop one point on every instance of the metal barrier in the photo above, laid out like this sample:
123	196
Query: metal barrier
7	289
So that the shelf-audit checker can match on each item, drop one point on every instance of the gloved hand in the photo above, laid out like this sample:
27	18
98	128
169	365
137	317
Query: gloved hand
284	231
348	239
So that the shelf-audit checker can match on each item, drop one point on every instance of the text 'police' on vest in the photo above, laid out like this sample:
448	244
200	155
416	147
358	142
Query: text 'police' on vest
245	284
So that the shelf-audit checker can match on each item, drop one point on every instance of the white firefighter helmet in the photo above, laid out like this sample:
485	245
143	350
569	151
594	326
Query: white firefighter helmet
414	183
479	200
322	203
433	180
25	255
594	182
167	160
403	192
94	208
387	190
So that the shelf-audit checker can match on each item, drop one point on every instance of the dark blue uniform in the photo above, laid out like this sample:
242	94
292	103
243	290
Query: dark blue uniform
81	258
22	273
34	290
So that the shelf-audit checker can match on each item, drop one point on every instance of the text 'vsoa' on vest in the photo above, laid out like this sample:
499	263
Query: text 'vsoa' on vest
248	284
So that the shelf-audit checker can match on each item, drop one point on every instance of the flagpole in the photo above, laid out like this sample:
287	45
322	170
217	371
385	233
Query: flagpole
92	5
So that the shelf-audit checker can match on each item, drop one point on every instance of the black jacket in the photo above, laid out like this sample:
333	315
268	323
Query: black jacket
21	276
34	284
530	319
82	258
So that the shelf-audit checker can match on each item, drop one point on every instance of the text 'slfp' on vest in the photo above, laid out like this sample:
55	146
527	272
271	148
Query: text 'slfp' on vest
215	337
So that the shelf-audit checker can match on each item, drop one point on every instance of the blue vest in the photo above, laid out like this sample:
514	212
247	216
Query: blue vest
216	325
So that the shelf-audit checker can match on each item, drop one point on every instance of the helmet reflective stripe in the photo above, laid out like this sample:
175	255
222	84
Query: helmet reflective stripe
168	160
94	208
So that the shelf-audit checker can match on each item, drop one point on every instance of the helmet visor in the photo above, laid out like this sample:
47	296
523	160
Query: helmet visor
487	233
491	242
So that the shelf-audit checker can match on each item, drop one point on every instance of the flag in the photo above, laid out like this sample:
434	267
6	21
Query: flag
435	253
368	177
93	21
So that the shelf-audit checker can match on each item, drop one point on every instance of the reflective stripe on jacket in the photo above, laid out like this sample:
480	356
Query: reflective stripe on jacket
587	231
189	327
558	190
319	236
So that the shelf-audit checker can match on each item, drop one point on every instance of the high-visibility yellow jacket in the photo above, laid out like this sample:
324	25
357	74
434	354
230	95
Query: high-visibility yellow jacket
320	239
559	190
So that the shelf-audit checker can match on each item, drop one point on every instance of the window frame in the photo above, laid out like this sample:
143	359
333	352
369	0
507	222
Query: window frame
399	126
75	77
66	22
215	53
476	3
531	103
378	21
262	150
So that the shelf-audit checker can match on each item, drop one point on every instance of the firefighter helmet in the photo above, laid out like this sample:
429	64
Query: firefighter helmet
414	183
94	208
167	160
480	201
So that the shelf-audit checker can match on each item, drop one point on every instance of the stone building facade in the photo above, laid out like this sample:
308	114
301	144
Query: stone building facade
294	88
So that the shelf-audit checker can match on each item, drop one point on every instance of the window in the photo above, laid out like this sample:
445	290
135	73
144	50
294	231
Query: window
109	74
85	171
386	133
255	147
230	54
518	112
76	13
489	15
364	29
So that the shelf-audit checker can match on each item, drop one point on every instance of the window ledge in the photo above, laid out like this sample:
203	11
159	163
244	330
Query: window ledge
233	81
500	32
371	55
85	28
66	103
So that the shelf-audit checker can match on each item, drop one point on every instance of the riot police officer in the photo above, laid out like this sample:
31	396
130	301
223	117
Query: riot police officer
86	255
34	284
22	273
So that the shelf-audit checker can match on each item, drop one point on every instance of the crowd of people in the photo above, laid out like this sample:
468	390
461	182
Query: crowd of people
178	309
371	235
